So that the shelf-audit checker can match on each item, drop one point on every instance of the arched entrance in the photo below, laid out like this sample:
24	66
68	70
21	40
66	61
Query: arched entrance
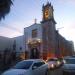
34	53
34	47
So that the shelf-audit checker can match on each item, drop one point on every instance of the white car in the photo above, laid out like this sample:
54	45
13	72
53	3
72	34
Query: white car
28	67
69	66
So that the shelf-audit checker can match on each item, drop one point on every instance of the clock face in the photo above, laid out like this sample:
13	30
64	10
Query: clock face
46	13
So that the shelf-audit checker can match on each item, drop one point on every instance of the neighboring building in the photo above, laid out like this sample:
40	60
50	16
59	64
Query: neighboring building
18	46
5	43
65	47
18	42
5	51
40	40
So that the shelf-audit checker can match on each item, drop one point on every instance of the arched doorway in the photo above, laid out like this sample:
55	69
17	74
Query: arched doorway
34	53
34	47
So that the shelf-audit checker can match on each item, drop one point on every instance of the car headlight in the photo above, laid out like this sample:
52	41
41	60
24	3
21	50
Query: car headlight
58	62
52	65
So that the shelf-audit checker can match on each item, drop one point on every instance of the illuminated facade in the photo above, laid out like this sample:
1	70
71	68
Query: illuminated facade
42	40
33	40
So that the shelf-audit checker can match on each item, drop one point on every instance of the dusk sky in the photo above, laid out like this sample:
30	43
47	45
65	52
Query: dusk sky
23	13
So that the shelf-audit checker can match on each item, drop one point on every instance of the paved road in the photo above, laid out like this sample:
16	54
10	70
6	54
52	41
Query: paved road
55	72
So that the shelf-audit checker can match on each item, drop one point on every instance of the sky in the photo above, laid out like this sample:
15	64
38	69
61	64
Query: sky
23	13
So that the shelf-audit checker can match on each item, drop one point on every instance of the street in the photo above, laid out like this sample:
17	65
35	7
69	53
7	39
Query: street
56	72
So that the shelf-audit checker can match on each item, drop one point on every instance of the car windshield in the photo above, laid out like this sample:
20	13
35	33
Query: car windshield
70	61
23	65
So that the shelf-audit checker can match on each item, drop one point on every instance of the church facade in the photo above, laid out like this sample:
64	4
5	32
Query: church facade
42	40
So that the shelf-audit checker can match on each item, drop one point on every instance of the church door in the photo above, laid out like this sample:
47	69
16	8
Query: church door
34	53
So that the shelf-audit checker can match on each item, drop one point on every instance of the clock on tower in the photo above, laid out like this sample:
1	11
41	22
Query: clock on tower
47	11
46	14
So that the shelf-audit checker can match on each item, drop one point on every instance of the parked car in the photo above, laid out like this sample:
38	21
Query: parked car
69	66
54	63
28	67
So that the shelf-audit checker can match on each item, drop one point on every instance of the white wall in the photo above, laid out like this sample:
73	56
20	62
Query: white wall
19	43
28	33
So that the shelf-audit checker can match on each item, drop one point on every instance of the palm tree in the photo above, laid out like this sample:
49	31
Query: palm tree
5	7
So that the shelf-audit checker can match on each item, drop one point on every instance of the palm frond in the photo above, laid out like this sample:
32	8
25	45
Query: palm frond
5	6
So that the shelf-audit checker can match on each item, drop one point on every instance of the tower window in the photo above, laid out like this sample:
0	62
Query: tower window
34	33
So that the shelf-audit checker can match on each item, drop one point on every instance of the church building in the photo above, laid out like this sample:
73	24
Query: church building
42	40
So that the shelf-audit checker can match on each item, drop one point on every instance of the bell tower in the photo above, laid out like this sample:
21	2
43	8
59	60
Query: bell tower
48	31
47	12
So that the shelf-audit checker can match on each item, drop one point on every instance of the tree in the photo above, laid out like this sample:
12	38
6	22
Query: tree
5	7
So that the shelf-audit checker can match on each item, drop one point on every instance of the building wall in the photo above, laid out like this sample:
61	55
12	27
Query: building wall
6	51
19	42
49	40
5	43
64	47
28	33
28	38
